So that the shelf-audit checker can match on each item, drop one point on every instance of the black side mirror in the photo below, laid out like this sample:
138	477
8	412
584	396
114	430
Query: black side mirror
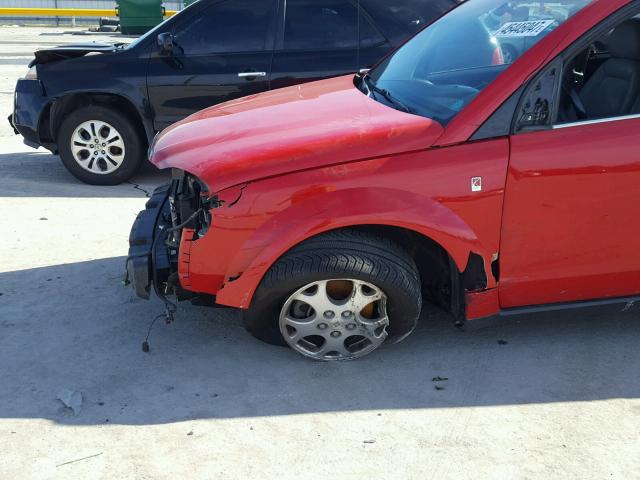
165	42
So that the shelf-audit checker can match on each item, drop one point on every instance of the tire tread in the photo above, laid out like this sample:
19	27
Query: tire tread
346	253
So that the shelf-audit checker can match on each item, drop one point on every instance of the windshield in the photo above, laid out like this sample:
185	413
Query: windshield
158	28
154	31
439	71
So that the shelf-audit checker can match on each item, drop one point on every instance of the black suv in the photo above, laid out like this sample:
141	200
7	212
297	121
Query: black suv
99	105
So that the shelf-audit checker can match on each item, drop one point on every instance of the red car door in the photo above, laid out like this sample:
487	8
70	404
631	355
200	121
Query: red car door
571	222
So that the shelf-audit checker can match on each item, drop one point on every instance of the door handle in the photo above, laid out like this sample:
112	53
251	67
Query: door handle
252	74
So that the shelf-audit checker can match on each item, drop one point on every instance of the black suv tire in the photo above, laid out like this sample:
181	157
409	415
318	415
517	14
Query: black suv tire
134	144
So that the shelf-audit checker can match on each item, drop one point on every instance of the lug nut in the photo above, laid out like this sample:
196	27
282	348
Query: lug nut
335	334
103	152
90	146
347	314
329	314
351	326
322	326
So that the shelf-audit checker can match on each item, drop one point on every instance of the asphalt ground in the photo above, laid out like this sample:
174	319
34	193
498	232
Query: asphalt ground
543	397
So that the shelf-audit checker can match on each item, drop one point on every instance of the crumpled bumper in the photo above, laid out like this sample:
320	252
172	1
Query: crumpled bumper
149	261
29	104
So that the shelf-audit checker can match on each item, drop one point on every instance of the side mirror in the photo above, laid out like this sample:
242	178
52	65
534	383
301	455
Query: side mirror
165	42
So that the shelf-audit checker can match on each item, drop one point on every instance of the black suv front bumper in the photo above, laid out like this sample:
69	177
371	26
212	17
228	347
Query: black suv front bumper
28	106
150	261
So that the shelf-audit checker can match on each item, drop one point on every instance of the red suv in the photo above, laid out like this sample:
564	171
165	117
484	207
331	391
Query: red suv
330	211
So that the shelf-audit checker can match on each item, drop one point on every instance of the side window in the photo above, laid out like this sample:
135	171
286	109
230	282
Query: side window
229	26
603	79
320	25
369	35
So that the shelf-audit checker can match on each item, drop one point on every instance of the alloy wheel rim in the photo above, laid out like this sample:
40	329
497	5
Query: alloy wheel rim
97	147
339	319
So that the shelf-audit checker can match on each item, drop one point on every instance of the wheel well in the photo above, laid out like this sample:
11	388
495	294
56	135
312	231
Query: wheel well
54	114
442	282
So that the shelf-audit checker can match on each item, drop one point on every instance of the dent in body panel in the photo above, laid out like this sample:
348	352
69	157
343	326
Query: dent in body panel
426	192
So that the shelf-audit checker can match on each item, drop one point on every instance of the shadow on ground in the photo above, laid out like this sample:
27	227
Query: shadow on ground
76	327
38	173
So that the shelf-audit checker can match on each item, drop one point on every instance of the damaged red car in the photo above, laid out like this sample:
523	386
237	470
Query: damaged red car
331	212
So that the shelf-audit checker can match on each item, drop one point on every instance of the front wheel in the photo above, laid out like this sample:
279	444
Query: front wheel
338	296
100	146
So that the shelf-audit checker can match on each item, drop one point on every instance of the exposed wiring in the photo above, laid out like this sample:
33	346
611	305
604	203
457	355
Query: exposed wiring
138	187
145	344
193	216
170	308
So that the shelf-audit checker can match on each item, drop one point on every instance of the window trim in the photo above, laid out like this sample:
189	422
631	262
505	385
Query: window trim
595	121
499	123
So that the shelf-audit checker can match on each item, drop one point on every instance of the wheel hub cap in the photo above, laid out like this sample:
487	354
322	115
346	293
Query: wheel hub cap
335	319
97	147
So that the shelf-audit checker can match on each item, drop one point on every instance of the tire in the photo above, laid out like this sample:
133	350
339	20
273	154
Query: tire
120	159
339	256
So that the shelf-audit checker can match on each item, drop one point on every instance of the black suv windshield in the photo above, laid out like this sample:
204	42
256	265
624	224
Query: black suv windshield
439	71
161	27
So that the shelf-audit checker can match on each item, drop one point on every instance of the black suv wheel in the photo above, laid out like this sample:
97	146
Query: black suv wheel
100	146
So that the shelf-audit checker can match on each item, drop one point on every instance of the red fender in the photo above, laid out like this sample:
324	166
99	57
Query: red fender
344	208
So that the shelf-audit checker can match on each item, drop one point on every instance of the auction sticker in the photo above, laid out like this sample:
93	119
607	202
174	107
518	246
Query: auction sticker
531	28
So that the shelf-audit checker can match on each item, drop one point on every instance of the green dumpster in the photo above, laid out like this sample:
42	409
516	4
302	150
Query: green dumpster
139	16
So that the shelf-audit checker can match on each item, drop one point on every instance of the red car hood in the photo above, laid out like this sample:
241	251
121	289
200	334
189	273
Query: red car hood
273	133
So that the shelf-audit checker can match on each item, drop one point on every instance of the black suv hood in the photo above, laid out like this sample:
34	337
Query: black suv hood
72	51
